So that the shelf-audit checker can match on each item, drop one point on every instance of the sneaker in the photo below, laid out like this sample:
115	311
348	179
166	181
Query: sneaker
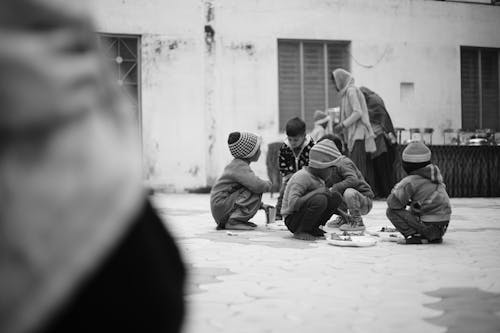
356	224
436	241
336	223
414	239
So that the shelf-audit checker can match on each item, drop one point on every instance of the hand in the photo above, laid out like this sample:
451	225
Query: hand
416	206
392	138
338	128
323	190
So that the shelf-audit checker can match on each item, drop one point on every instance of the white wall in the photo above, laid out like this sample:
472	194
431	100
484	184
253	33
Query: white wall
414	41
172	68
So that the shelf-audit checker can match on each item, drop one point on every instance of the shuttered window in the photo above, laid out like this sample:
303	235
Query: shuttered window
480	88
304	69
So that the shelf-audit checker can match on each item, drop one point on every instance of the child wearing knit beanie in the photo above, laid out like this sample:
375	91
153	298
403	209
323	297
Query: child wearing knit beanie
307	203
237	194
357	195
424	192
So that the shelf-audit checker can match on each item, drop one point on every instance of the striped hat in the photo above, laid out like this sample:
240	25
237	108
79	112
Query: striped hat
323	154
416	152
243	144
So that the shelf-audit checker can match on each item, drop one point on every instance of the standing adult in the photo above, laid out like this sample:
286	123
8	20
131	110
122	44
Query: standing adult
385	140
354	122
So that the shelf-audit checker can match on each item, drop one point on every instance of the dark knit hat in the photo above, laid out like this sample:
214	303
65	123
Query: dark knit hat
416	152
323	154
243	144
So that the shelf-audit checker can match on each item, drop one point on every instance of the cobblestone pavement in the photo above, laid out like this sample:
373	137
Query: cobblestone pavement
266	281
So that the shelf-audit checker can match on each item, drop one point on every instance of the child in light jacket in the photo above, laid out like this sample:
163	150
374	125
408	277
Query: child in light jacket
424	192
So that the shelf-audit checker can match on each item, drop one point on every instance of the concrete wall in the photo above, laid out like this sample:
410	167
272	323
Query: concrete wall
194	93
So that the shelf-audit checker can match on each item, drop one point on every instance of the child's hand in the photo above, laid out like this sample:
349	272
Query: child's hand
416	206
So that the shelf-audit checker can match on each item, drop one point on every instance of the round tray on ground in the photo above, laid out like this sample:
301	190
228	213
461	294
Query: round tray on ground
386	234
354	241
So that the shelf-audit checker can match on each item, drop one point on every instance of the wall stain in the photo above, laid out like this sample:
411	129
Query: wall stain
173	45
248	48
209	11
263	125
193	171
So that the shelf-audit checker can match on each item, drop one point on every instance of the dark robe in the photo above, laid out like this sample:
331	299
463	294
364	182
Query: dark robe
138	288
381	167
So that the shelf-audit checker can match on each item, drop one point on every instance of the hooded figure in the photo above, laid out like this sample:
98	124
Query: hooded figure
354	120
385	139
81	247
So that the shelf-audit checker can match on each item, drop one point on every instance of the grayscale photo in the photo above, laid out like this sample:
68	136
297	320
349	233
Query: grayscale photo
249	166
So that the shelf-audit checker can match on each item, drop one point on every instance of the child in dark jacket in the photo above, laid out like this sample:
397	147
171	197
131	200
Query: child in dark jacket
293	155
237	194
307	203
424	192
357	195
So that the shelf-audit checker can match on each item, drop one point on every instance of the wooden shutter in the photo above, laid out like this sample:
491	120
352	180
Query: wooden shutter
314	80
289	81
469	62
338	57
489	92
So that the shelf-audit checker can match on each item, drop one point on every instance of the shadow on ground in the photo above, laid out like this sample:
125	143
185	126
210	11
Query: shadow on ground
466	310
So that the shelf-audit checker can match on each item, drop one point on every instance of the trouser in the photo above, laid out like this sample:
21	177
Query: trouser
284	181
240	206
360	158
409	224
357	203
315	212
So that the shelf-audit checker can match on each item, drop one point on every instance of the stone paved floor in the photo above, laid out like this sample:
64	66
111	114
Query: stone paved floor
265	281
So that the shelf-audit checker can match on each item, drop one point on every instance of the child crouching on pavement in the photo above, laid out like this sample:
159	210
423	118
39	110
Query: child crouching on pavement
307	203
424	191
237	194
356	193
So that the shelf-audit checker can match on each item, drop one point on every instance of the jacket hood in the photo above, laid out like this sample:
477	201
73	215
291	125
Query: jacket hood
306	142
343	79
430	172
339	159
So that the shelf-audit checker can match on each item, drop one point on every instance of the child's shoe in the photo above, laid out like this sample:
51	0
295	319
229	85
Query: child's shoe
356	224
436	241
336	223
414	239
